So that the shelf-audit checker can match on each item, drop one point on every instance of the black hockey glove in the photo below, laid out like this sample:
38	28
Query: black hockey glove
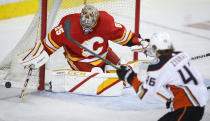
125	74
168	103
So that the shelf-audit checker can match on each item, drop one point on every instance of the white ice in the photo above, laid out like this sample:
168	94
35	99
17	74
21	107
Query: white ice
160	15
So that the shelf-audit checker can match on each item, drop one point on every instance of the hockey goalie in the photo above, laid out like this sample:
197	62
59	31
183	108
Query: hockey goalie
92	29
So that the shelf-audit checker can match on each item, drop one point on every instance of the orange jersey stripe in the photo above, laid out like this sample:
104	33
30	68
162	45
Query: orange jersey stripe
136	83
185	109
180	97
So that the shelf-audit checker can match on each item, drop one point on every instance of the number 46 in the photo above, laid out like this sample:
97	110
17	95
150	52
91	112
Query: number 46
150	81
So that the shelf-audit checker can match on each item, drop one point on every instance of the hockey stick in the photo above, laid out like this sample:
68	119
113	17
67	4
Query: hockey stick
67	26
26	83
192	58
23	91
200	56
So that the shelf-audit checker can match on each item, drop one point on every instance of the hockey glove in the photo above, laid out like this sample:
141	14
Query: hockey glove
145	43
168	103
34	57
125	74
142	47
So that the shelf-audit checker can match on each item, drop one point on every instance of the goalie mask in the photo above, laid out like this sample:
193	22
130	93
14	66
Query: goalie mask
159	41
88	18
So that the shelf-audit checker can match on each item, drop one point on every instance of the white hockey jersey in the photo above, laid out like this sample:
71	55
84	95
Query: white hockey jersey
175	72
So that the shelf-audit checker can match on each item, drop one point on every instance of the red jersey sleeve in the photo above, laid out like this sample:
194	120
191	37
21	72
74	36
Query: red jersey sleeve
118	32
54	39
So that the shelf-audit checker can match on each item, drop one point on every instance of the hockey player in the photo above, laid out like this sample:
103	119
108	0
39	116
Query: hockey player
172	70
92	29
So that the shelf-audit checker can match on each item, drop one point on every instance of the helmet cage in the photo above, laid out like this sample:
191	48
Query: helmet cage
88	18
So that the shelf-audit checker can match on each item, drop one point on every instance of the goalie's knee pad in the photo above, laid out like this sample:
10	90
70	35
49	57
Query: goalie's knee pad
96	70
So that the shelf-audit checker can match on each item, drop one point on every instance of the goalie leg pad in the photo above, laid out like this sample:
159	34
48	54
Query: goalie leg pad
87	83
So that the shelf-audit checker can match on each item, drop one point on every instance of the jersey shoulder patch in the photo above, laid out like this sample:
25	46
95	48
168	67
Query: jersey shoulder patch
158	63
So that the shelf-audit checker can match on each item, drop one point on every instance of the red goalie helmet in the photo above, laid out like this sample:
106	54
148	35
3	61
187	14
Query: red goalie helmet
88	18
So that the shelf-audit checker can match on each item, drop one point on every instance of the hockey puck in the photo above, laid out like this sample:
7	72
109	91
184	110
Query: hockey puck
8	84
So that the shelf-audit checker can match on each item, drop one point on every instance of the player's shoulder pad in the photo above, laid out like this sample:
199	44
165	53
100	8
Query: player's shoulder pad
158	62
105	17
71	17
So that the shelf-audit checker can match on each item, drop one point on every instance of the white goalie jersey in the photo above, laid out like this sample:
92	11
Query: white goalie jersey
175	72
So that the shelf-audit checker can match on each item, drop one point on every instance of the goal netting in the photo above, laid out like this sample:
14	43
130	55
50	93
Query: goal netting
123	12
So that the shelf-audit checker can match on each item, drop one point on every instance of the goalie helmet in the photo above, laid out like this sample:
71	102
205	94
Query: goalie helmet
88	18
159	41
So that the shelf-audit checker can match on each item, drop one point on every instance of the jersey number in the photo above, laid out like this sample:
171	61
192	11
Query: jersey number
150	81
190	78
59	30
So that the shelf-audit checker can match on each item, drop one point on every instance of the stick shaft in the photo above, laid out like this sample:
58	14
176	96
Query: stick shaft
23	91
200	56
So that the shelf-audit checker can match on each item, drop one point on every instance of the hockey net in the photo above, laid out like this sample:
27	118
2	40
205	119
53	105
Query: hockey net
122	10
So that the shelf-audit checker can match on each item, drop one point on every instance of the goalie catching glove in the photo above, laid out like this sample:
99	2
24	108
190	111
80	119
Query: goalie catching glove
141	44
34	57
125	73
142	47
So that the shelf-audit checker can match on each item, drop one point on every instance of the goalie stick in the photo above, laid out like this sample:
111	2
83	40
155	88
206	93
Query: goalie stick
67	26
23	91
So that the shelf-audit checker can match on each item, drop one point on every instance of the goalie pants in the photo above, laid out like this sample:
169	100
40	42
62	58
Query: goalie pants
184	114
111	56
